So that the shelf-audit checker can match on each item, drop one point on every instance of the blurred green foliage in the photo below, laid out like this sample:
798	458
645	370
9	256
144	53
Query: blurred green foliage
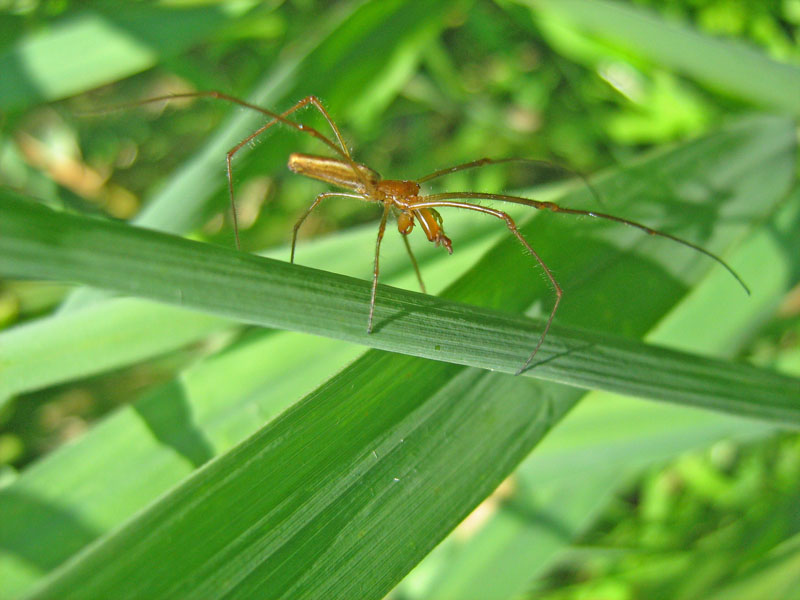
474	79
711	522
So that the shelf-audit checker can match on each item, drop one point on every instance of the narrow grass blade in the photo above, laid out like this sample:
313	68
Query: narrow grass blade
62	60
728	66
36	242
43	352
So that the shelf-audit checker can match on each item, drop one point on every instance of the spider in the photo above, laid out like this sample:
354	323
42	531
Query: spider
404	197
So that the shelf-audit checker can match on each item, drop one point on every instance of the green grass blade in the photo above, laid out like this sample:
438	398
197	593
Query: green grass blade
558	490
607	438
84	342
364	439
728	66
43	352
63	58
39	243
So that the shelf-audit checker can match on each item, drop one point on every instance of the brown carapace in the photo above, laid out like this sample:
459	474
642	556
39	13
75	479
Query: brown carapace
404	198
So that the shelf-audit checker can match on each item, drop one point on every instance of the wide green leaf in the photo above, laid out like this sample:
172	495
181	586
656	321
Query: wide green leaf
365	454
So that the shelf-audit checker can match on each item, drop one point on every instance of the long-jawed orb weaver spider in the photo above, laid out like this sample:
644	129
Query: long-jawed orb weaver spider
403	197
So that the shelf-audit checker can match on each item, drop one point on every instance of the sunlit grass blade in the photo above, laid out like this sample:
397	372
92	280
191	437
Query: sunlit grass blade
728	66
366	440
57	61
43	352
558	490
36	242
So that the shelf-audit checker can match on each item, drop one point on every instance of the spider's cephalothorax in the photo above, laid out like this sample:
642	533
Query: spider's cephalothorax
399	194
404	195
